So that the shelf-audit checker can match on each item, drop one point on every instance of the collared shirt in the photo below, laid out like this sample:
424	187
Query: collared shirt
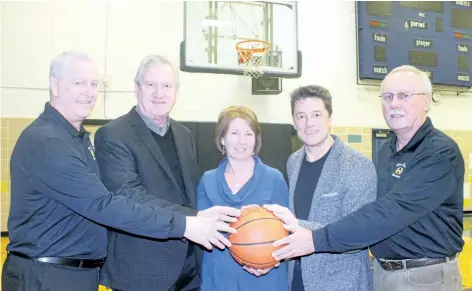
58	204
419	207
152	125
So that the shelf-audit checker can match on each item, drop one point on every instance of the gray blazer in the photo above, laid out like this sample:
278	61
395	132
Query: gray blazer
347	182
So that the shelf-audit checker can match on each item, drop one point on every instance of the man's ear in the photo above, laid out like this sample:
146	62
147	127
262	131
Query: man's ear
136	89
427	103
53	86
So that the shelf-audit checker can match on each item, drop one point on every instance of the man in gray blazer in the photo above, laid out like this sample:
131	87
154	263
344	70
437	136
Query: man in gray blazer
145	155
414	227
327	181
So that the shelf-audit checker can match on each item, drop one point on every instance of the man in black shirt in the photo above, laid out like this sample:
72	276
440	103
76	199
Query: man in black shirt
414	227
59	206
327	181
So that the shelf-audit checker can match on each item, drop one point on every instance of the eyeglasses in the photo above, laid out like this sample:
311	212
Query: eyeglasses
402	96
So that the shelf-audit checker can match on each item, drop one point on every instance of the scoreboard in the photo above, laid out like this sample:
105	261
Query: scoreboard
432	36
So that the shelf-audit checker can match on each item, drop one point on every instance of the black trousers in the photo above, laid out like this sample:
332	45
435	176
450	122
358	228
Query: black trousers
297	281
20	274
189	280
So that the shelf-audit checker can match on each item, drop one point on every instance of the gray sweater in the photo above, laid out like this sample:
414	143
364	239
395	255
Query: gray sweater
347	182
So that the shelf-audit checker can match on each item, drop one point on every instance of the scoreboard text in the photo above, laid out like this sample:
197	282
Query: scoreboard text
433	36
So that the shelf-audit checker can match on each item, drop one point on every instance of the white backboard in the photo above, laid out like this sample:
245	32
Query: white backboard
213	29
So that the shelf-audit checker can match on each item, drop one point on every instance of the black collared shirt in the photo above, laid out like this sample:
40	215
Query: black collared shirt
419	207
58	204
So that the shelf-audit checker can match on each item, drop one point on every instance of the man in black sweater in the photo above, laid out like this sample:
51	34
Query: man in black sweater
146	155
414	228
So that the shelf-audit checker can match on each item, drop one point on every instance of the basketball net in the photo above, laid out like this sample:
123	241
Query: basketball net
251	54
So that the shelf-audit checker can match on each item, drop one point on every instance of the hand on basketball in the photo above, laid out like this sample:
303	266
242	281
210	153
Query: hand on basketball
205	231
223	213
259	272
249	206
290	221
298	244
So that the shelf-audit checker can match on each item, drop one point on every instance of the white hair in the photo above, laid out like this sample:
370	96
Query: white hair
60	63
428	87
153	60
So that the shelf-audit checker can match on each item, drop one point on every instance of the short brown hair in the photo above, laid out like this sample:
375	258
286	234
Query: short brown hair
312	91
233	112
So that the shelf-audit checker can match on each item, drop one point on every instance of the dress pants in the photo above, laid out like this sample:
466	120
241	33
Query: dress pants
21	274
189	280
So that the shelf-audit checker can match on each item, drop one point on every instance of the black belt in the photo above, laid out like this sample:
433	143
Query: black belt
412	263
65	261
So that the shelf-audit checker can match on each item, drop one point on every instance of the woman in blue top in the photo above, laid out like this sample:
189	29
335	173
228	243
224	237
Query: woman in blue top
241	180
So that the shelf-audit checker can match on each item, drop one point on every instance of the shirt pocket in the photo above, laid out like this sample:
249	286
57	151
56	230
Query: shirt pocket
330	194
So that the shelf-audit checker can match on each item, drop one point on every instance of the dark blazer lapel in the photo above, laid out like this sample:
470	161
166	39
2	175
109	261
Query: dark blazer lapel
144	133
182	145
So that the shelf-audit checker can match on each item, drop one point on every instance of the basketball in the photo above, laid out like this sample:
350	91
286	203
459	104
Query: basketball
257	228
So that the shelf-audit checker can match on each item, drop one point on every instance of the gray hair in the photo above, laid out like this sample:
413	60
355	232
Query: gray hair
61	62
153	60
408	68
312	91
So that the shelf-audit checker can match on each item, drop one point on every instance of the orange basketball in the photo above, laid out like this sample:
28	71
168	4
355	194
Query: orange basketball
257	229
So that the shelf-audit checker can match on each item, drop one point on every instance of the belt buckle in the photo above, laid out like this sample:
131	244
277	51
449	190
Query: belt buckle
98	263
390	266
400	265
393	266
101	263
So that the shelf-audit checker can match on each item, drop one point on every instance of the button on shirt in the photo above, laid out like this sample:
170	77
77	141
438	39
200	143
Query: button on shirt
419	207
58	203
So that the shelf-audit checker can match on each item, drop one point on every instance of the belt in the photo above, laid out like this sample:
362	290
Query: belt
64	261
389	265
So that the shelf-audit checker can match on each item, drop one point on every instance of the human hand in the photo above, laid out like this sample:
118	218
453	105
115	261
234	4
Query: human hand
290	221
259	272
205	231
223	213
249	206
298	244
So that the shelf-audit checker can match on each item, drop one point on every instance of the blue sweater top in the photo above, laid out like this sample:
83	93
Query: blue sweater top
219	270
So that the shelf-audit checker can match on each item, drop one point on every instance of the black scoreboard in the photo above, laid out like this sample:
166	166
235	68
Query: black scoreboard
433	36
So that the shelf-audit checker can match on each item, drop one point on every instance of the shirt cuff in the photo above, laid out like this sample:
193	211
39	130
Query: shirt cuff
187	211
320	240
178	226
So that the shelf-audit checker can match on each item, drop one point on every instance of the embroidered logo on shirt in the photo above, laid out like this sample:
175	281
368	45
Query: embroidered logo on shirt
399	170
92	151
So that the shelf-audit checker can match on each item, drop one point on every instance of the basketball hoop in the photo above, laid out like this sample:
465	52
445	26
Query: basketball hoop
251	53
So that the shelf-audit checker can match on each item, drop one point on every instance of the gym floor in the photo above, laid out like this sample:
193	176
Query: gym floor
465	259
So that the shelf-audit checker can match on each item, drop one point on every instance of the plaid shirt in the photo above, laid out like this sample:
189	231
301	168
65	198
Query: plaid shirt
152	125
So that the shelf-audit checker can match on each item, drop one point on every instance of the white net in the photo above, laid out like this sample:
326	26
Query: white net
253	67
252	55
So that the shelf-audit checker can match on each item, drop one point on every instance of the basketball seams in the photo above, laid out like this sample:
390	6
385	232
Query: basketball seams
256	219
267	227
253	244
251	263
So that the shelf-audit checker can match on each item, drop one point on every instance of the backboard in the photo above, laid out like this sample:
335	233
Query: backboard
213	29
